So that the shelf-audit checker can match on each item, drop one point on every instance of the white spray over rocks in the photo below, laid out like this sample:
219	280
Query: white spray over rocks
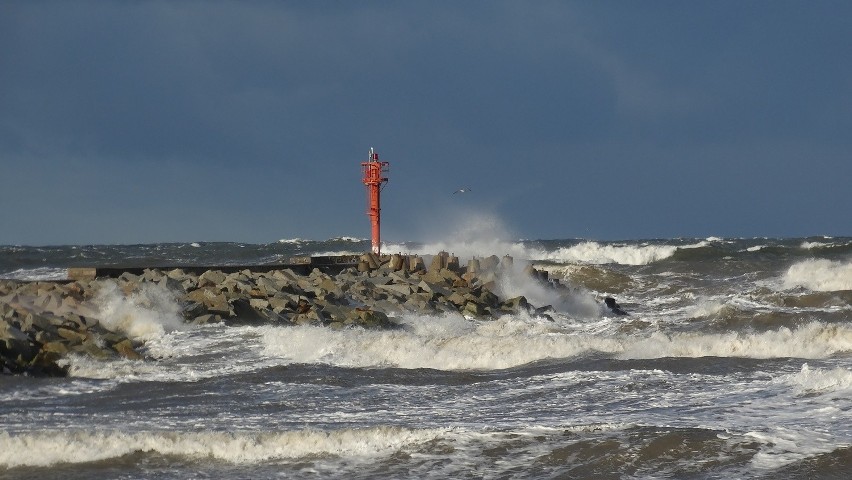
476	235
577	302
142	315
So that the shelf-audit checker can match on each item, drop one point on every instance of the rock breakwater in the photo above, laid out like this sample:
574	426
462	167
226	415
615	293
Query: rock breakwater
42	322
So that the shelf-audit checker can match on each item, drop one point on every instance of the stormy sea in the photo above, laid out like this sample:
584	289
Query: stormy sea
734	361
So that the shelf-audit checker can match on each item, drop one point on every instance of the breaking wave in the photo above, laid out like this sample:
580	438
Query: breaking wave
588	252
814	340
37	274
819	275
452	343
50	448
443	343
596	253
143	315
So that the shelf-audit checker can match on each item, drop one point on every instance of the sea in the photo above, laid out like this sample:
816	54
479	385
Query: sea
734	361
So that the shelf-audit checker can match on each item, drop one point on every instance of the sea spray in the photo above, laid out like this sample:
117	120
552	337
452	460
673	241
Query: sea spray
597	253
467	234
576	302
471	234
146	313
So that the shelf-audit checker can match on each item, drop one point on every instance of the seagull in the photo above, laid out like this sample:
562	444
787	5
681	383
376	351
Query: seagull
462	190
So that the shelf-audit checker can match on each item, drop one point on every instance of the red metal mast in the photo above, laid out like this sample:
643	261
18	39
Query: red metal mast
373	179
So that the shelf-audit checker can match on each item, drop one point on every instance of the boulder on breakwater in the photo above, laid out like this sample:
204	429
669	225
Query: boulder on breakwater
42	322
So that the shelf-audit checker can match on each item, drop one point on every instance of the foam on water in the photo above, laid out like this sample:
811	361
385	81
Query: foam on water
292	241
819	275
597	253
813	340
810	381
453	343
124	370
588	252
35	274
783	446
346	239
446	343
450	342
705	307
480	241
50	448
53	391
188	355
812	245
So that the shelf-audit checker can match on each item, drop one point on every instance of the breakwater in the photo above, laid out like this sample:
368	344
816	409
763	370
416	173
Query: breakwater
42	322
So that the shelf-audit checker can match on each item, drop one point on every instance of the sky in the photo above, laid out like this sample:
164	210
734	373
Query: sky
125	122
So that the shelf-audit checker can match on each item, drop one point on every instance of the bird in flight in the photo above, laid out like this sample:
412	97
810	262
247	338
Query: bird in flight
462	190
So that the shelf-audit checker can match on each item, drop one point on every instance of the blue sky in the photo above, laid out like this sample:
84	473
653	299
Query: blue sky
137	122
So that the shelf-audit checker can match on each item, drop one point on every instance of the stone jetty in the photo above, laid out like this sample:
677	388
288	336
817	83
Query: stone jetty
43	322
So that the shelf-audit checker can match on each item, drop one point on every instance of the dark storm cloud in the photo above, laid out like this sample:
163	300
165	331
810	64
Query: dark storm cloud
247	120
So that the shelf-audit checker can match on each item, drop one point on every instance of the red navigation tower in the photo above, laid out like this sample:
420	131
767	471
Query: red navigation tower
373	170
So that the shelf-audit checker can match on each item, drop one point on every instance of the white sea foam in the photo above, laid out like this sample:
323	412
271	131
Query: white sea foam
445	343
292	240
476	234
819	380
225	351
51	448
812	245
346	239
51	391
514	282
41	273
146	314
453	343
819	275
339	253
813	340
783	446
448	342
705	308
597	253
80	366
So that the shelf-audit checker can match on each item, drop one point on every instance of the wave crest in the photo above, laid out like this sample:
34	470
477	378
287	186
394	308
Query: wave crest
147	313
596	253
813	340
50	448
819	275
442	343
452	343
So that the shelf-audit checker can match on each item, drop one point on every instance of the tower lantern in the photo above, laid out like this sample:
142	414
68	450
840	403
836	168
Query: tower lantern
373	170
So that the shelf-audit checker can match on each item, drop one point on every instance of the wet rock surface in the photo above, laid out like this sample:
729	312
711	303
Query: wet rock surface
43	322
